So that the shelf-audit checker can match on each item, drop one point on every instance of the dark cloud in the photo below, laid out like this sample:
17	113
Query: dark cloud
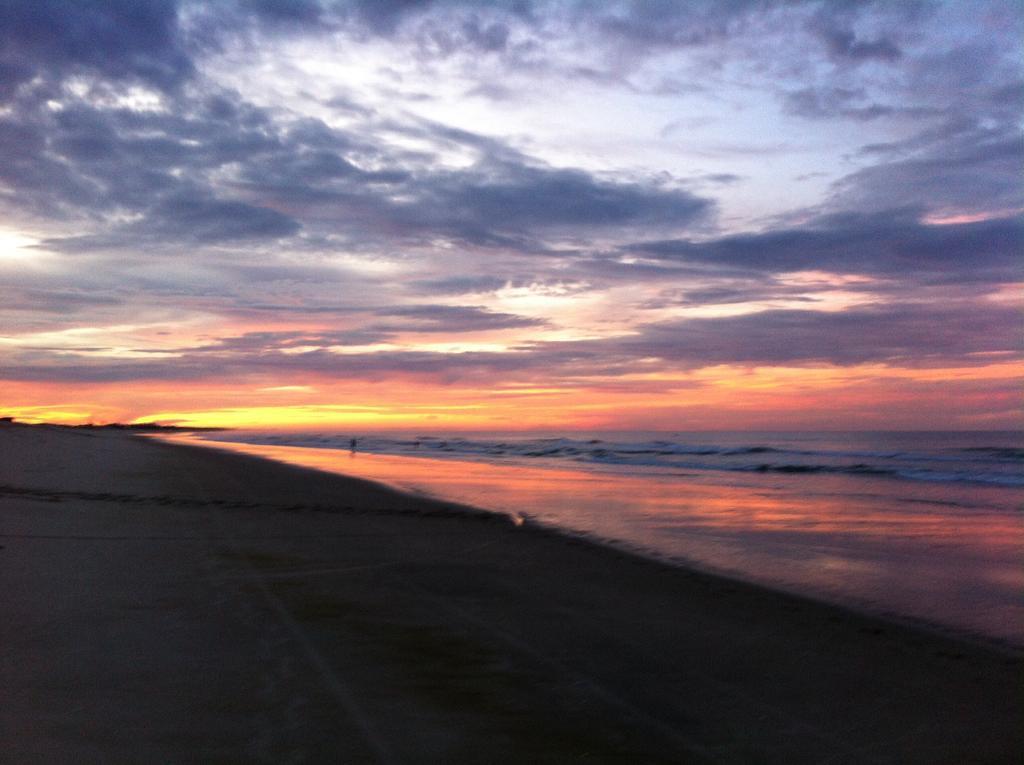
886	245
966	150
209	364
452	319
384	16
487	37
841	29
288	12
56	301
844	44
87	161
517	198
905	334
976	171
724	178
267	344
539	282
220	169
731	293
444	36
460	285
666	24
429	319
119	40
831	102
204	219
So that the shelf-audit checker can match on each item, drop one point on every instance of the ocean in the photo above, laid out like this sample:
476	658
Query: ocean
919	526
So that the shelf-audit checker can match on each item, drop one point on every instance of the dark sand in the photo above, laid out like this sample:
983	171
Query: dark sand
165	603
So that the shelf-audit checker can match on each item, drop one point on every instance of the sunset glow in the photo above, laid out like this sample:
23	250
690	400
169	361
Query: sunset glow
452	216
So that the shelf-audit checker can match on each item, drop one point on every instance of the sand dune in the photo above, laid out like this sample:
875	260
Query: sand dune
166	603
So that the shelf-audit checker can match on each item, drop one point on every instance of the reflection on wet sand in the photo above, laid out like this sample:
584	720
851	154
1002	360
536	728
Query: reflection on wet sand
944	555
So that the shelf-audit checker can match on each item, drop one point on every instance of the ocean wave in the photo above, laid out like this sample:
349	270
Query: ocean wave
981	464
1001	452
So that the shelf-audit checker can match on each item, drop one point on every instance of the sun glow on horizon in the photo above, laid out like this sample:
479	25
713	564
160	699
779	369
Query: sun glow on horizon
720	397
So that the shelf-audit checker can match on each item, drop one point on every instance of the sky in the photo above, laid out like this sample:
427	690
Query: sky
512	215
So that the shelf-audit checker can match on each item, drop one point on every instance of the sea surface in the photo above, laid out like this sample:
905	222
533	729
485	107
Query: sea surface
925	527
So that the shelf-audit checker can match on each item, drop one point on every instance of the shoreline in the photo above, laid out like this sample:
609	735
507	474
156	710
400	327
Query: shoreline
862	607
409	625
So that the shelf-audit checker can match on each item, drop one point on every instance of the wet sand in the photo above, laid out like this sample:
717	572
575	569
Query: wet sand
165	603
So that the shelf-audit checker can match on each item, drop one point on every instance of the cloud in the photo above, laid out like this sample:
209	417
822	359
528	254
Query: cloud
452	319
844	44
384	16
460	285
732	292
56	301
267	344
966	147
204	364
88	161
900	334
673	25
303	13
904	334
517	198
487	37
158	189
380	325
977	171
217	169
831	102
119	40
891	244
204	219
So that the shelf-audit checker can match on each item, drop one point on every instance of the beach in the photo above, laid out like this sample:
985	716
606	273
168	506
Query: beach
177	603
913	526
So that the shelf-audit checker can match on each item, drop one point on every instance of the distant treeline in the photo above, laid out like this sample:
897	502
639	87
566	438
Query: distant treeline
146	427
